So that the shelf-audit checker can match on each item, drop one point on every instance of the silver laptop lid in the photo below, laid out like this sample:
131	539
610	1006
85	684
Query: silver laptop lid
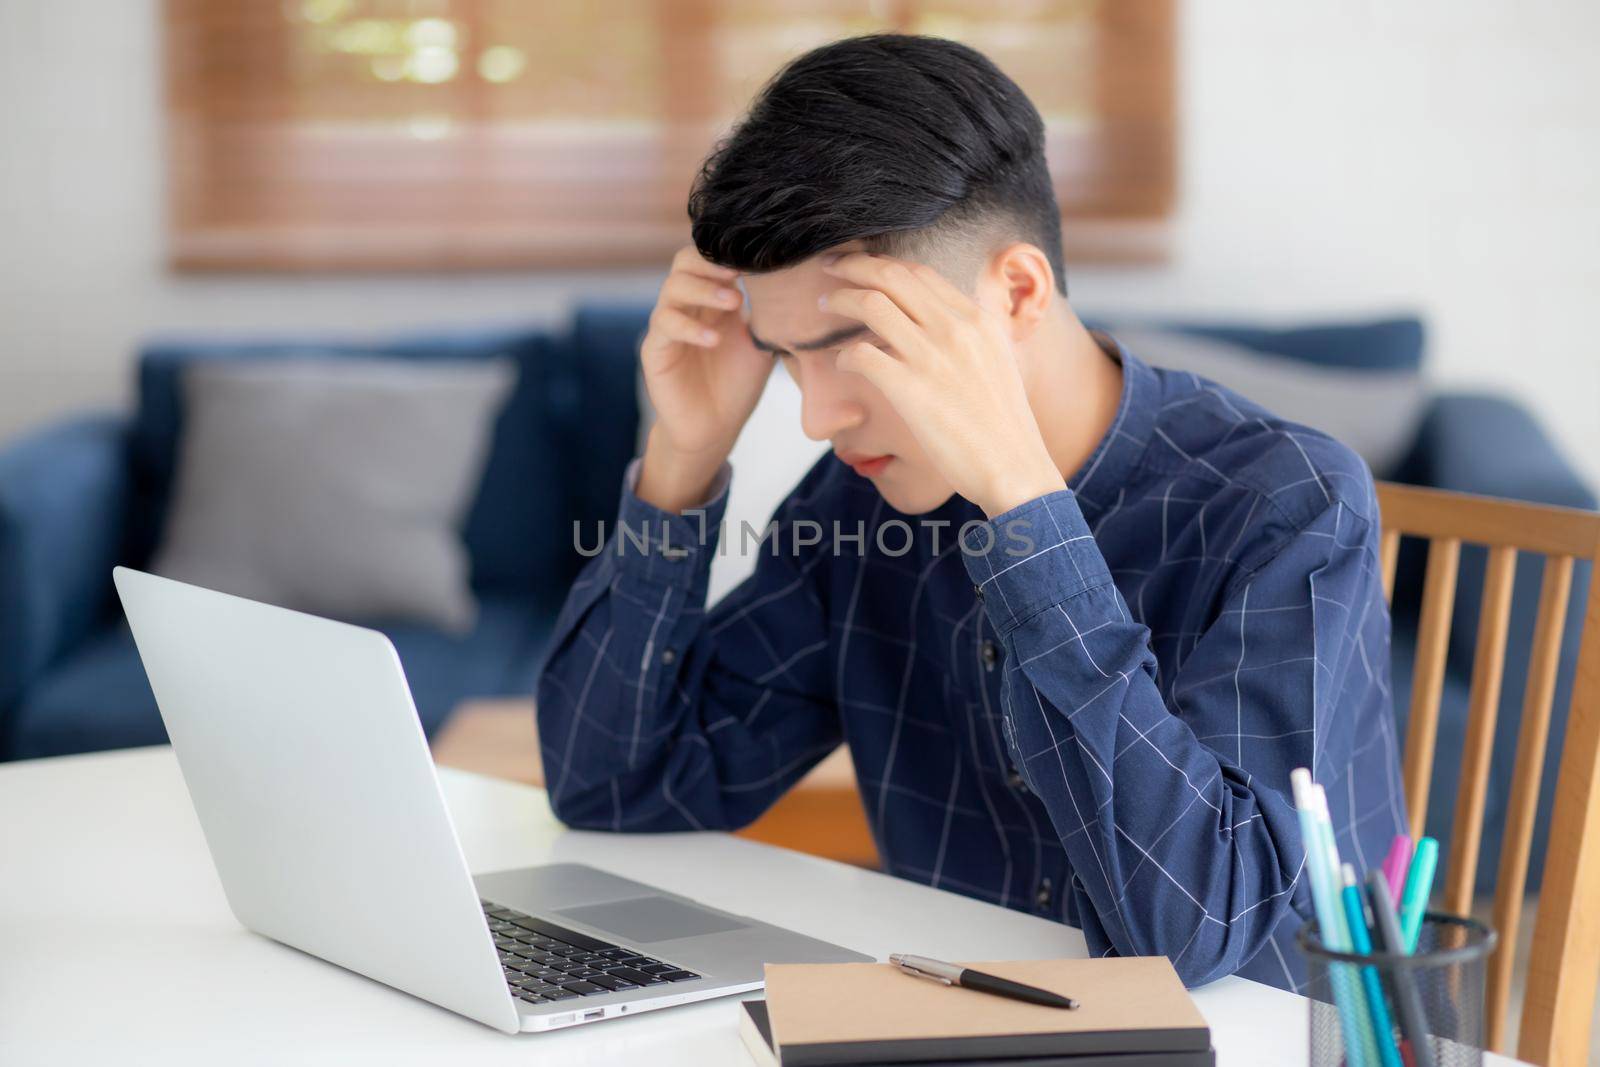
314	787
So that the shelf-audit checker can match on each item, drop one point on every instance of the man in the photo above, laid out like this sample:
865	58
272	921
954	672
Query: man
1117	606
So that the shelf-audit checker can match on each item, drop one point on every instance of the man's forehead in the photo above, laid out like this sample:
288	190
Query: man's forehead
784	315
832	339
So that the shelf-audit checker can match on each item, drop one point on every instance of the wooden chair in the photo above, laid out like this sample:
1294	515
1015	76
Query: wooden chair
1565	960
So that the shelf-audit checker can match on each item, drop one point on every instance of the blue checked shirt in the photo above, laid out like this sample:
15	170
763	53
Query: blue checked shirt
1087	708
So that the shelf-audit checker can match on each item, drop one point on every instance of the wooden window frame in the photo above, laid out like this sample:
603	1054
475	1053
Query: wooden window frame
1117	207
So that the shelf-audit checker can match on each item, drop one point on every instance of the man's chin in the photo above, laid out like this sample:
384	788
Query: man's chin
917	500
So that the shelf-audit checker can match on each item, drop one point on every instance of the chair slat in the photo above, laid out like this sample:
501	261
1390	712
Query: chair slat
1512	882
1537	528
1565	962
1427	683
1562	969
1488	667
1388	557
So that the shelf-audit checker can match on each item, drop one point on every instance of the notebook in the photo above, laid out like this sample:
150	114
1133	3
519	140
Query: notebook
755	1030
828	1015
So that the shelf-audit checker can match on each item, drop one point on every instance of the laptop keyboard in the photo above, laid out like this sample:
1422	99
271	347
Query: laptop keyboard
545	963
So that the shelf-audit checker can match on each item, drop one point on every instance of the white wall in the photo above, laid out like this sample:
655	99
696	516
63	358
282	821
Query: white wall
1340	158
1442	155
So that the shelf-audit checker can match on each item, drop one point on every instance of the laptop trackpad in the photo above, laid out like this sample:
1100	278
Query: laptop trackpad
651	919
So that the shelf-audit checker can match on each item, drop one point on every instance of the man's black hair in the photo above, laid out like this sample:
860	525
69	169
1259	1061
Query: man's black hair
913	144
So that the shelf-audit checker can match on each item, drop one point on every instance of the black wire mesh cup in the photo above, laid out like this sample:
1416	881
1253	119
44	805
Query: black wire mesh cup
1443	980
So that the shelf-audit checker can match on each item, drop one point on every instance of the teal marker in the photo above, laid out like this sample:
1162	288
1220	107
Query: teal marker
1341	941
1419	886
1361	942
1325	902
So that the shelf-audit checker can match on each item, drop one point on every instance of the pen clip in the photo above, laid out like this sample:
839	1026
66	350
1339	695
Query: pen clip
918	972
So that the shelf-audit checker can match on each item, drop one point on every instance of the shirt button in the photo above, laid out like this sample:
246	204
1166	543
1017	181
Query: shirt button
991	655
668	656
977	591
1014	780
1041	899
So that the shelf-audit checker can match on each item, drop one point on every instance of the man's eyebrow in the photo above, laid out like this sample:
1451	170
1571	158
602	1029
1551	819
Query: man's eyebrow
829	340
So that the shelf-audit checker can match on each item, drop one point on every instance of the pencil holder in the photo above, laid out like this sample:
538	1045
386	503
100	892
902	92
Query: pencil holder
1434	996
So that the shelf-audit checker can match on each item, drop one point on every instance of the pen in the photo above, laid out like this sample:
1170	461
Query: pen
967	978
1396	863
1382	1028
1407	1001
1358	995
1325	903
1419	884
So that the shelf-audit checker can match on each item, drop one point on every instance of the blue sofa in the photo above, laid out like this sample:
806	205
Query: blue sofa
80	496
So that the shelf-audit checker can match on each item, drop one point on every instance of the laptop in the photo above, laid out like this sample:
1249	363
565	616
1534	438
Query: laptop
313	783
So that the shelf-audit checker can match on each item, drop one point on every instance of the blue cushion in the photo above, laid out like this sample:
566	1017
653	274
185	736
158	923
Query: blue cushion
96	698
1383	345
605	375
63	496
500	657
99	698
513	544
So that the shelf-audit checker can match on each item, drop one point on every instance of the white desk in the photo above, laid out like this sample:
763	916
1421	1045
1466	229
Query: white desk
116	945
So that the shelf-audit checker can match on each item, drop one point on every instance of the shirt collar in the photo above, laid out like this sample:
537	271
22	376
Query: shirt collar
1115	458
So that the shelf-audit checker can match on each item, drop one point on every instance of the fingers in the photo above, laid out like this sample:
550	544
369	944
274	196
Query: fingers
885	372
896	279
693	283
943	288
668	325
683	289
879	311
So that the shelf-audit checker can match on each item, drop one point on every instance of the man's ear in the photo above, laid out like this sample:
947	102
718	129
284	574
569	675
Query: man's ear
1018	282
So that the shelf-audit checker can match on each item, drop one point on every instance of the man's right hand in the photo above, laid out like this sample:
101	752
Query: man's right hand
704	377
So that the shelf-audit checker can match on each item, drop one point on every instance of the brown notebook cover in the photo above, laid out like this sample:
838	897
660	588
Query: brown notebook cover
756	1033
867	1013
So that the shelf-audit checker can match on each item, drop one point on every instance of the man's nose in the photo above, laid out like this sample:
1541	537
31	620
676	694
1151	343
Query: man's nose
828	396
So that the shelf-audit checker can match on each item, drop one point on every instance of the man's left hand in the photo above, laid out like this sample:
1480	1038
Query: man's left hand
952	375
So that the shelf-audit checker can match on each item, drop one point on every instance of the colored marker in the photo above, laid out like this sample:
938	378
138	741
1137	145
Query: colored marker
1325	903
1361	942
1408	1004
1342	939
1395	864
1419	886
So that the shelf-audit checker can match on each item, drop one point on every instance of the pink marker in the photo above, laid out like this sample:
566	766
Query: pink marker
1396	864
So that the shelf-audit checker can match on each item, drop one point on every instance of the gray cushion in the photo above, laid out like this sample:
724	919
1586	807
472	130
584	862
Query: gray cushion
1375	412
336	487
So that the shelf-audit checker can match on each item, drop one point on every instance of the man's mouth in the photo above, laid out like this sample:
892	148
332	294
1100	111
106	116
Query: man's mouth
864	464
